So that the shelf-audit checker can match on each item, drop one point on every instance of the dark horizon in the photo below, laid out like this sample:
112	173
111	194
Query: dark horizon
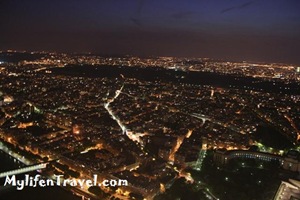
267	31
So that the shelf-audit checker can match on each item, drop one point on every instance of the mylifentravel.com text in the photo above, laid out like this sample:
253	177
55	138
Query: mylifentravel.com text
58	180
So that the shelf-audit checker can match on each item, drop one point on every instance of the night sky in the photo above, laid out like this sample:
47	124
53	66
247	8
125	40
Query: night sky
258	30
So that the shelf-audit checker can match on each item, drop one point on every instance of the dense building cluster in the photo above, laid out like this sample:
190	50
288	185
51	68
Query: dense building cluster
144	131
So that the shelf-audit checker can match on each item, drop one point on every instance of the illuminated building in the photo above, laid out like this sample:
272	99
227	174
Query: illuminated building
204	143
288	190
289	162
221	157
76	129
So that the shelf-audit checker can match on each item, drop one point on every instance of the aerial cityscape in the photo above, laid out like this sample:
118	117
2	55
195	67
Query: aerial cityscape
171	103
149	121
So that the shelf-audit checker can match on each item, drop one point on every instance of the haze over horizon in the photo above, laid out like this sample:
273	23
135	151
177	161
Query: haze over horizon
260	31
